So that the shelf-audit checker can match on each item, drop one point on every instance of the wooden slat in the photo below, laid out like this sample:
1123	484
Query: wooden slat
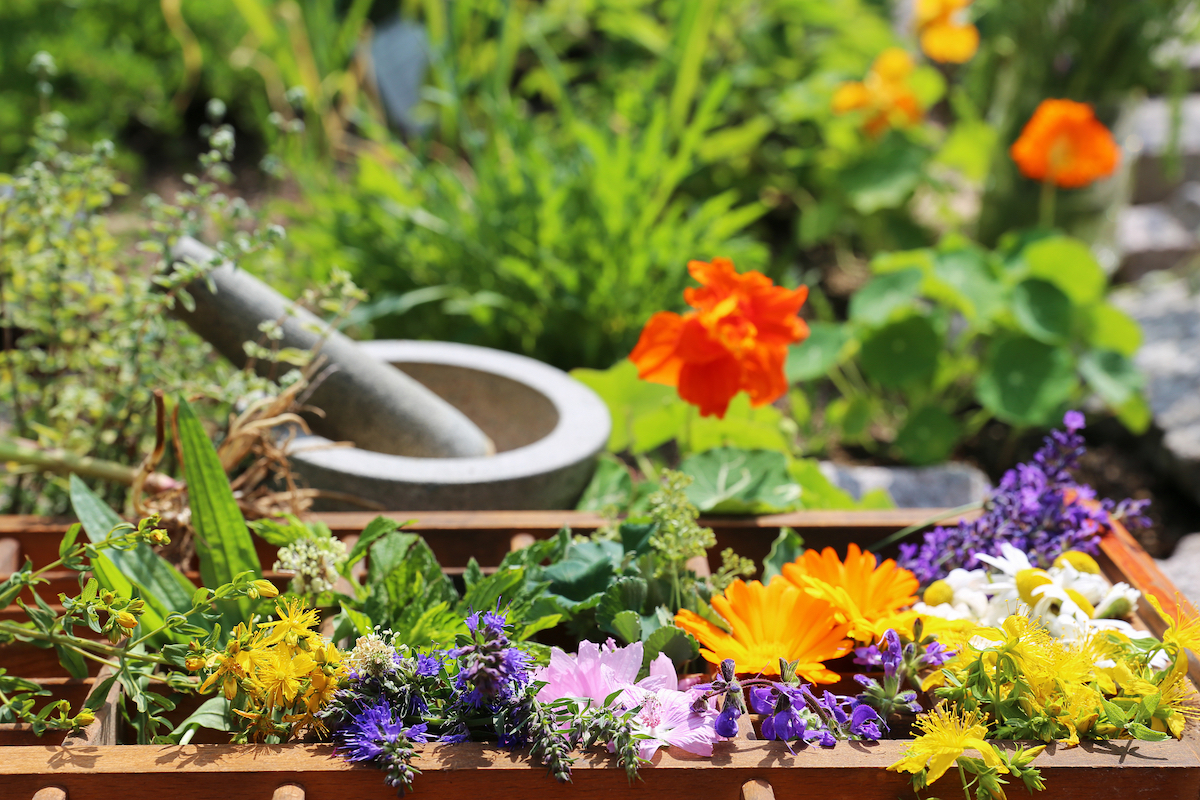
106	726
1093	771
456	536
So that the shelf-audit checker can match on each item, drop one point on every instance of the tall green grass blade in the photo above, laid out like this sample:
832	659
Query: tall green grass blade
223	544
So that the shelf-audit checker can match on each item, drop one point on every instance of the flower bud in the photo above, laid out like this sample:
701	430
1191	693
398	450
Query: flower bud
194	663
126	620
84	718
266	588
728	669
107	597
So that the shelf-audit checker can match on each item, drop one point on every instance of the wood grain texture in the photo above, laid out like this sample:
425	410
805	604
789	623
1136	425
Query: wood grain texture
288	791
757	789
1091	771
50	793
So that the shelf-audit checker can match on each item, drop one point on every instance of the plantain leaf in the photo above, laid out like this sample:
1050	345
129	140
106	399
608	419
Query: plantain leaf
223	544
164	589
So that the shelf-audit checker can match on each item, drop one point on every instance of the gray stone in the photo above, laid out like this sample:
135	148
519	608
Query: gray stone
1168	309
1149	142
1183	567
1152	237
548	429
363	400
942	486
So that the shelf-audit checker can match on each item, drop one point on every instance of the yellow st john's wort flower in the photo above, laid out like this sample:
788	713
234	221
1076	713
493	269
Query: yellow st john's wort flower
946	735
945	36
1182	633
280	676
294	625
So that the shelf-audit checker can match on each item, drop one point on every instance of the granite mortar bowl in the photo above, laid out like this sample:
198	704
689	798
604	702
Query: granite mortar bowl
547	427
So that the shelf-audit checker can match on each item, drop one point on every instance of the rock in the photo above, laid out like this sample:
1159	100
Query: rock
942	486
363	399
1149	141
1183	567
1168	309
1151	237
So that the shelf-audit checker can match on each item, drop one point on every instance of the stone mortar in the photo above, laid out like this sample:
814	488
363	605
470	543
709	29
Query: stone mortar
548	429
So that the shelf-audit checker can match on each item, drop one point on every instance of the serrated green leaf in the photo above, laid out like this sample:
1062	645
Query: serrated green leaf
679	645
627	625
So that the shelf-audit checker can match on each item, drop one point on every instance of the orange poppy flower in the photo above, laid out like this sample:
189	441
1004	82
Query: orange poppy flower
770	622
1065	144
884	95
736	338
861	590
944	38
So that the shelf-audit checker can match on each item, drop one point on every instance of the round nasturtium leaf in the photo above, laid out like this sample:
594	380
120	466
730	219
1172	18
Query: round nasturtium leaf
902	353
1069	264
928	436
875	303
1112	375
1042	310
818	354
1025	382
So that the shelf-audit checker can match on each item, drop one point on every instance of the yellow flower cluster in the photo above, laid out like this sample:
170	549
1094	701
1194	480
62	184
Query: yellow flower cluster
277	677
1069	683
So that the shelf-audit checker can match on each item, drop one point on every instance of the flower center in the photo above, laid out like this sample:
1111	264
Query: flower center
651	713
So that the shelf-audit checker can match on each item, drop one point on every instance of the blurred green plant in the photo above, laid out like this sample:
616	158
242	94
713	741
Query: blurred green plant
125	71
85	325
943	339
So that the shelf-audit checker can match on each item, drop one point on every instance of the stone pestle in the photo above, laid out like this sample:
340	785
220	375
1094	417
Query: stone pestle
366	401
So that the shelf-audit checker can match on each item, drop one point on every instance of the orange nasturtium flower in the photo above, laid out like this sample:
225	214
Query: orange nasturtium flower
861	590
736	338
1065	144
944	37
884	95
770	622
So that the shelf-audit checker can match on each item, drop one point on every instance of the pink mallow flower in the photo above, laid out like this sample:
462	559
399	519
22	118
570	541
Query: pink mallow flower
665	715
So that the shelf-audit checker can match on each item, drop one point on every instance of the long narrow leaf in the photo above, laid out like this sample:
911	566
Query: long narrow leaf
223	544
160	585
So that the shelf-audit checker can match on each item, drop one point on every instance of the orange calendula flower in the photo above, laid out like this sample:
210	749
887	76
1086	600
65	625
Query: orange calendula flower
770	622
861	590
944	36
736	338
1065	144
884	95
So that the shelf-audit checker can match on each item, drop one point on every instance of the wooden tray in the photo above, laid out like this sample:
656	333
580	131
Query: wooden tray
91	766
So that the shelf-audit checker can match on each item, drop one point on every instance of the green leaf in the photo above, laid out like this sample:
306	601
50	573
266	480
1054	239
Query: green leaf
625	594
1146	734
1135	414
818	354
1042	310
1070	265
611	486
628	398
928	436
787	547
887	177
969	148
728	480
817	491
962	278
213	714
1116	716
903	353
164	589
743	426
679	645
1112	375
1110	328
627	625
68	540
223	544
375	530
1026	382
874	304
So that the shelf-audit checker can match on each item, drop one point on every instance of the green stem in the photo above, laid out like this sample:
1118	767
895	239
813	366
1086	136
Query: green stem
962	775
80	645
1046	204
911	529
